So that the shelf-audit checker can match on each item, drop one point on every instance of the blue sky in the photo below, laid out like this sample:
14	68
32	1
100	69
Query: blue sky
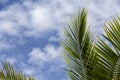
30	32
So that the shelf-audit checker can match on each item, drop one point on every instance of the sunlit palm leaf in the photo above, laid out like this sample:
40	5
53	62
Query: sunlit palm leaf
88	61
77	45
8	73
110	53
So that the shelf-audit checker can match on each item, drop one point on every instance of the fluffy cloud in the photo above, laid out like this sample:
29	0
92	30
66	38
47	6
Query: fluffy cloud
37	56
41	18
28	71
47	59
11	60
8	28
42	56
32	18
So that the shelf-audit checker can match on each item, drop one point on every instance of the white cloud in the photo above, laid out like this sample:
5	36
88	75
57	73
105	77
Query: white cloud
28	71
48	54
52	51
34	18
8	27
41	18
54	39
13	19
11	60
36	56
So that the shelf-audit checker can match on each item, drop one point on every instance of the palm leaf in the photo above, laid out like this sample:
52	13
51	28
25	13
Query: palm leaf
110	50
77	45
8	73
86	60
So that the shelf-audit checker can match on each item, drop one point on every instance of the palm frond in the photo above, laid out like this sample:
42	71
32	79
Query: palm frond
8	73
86	60
107	60
77	45
112	50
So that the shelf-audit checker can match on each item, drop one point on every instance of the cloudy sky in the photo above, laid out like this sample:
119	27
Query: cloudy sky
30	32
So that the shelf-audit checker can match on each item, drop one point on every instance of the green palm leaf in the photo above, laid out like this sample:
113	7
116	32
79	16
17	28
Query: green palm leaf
87	60
110	50
8	73
77	45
